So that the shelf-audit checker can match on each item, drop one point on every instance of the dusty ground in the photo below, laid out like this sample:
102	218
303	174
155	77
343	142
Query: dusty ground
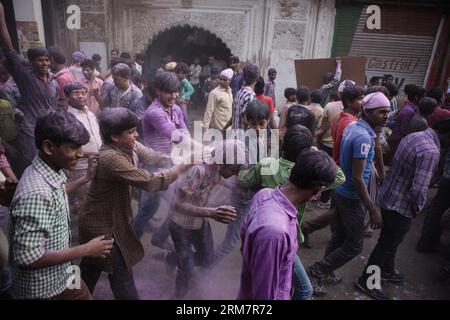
223	281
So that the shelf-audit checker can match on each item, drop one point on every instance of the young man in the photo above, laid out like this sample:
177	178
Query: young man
75	68
439	114
356	160
402	197
93	84
259	92
186	89
124	92
38	89
58	66
115	54
302	97
269	87
323	135
211	82
97	62
244	96
330	81
316	98
77	95
220	103
40	220
425	108
188	224
291	98
108	204
404	116
269	233
139	61
236	81
352	98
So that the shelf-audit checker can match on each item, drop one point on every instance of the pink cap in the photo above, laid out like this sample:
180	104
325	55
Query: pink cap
375	100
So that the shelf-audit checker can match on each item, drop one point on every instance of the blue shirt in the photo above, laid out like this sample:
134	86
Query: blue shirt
358	142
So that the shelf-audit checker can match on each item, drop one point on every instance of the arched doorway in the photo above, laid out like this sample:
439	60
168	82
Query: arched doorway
184	43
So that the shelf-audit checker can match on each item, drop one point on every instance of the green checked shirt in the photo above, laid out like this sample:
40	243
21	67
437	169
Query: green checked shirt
39	222
271	173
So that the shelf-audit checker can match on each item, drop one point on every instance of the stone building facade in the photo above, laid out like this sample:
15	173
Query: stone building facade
270	33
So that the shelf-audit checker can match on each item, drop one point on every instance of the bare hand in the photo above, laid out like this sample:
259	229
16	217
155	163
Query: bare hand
92	166
224	214
98	247
376	221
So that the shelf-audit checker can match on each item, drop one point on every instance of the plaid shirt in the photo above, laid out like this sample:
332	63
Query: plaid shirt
39	222
405	187
108	202
240	102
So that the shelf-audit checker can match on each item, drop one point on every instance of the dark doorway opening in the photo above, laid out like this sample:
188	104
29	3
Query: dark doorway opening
183	44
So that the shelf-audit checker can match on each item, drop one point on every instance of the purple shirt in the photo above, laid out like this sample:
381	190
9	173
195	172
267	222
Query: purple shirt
269	246
38	96
406	184
159	124
401	125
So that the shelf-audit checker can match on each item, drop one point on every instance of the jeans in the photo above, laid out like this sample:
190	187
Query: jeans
326	195
233	236
183	240
318	223
161	235
431	230
395	227
303	289
121	280
347	237
148	206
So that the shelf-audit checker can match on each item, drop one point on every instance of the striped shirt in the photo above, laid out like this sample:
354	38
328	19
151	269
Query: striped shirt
39	222
405	187
240	102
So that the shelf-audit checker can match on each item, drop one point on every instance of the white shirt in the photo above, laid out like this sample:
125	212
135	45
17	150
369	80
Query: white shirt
89	121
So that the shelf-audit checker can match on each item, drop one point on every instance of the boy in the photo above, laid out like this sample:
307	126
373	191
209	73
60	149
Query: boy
40	222
316	98
269	87
259	91
93	85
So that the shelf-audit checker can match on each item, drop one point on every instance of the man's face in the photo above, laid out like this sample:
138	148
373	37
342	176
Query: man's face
98	62
168	99
258	125
293	98
211	60
390	80
78	98
88	73
121	82
114	55
224	82
356	105
234	65
126	139
41	65
272	76
64	156
378	117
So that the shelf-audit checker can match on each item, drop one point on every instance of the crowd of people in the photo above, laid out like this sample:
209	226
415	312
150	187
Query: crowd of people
79	141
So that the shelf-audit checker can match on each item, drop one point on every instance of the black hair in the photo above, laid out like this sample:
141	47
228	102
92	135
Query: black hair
313	169
96	57
115	121
182	68
125	55
233	59
316	96
88	63
415	91
350	94
437	94
426	106
214	71
296	139
381	89
164	61
272	70
302	94
288	92
57	55
68	88
250	73
60	127
257	110
115	50
408	88
392	88
167	82
443	126
298	114
34	53
259	87
137	78
139	56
